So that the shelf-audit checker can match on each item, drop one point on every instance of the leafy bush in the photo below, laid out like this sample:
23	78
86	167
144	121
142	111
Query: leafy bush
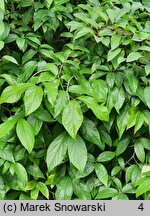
75	99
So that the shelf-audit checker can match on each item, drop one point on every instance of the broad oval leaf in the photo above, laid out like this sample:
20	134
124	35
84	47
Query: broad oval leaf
12	94
51	89
147	96
32	99
122	145
56	151
43	189
64	189
105	156
20	172
101	173
105	193
143	187
72	118
139	151
77	152
25	134
134	56
113	53
91	133
100	111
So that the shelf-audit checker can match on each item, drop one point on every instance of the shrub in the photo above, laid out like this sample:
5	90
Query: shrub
75	99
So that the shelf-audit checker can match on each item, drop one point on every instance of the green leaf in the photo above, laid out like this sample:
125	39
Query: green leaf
56	151
143	187
1	45
120	197
122	145
84	31
51	89
122	120
20	172
115	41
21	43
81	191
100	90
25	134
129	172
145	142
60	102
91	133
118	97
100	111
7	126
139	151
105	193
12	94
10	59
2	27
35	171
102	173
105	156
147	96
147	70
113	53
64	189
77	152
134	56
43	189
72	118
32	99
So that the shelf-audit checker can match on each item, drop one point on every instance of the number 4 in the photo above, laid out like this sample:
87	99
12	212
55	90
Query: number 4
141	207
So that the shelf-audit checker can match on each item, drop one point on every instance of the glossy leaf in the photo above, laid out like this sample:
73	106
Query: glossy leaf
91	133
72	118
64	189
32	99
25	134
100	111
101	173
77	152
56	151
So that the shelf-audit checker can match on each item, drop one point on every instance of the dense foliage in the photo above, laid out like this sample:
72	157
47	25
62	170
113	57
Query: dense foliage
75	99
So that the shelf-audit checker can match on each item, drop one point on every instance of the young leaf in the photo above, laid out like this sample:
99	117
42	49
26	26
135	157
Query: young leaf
32	99
56	151
102	173
64	189
72	118
25	134
77	152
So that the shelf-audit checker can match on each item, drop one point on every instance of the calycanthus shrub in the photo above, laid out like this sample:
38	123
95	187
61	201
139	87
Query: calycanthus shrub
75	99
